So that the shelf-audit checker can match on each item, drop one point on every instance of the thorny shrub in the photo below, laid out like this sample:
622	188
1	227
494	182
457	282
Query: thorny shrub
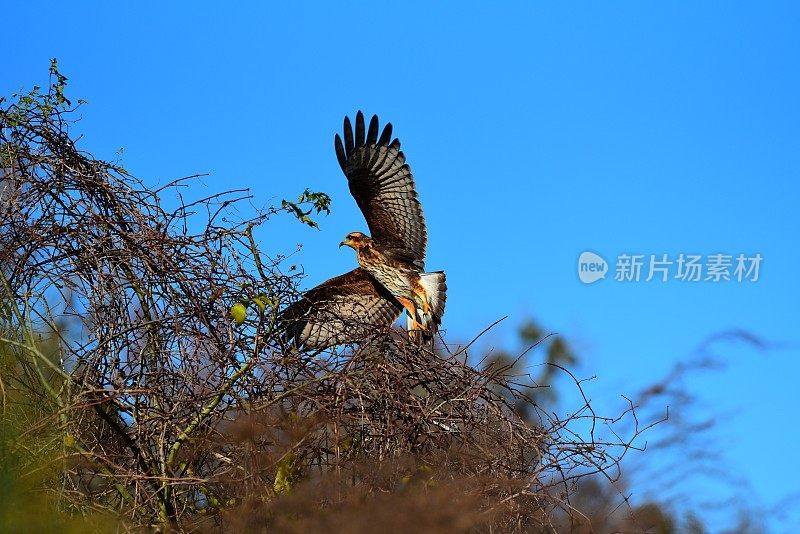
157	407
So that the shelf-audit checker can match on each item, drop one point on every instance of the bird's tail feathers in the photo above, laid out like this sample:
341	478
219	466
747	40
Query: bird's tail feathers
435	287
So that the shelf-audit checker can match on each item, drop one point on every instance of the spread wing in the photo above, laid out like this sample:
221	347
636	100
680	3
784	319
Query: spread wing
341	310
382	184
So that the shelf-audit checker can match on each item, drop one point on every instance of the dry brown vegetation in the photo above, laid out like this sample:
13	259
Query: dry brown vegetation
131	392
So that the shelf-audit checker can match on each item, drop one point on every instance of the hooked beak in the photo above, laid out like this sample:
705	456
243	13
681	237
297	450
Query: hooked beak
345	242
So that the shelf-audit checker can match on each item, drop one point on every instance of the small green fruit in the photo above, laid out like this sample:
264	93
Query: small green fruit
238	312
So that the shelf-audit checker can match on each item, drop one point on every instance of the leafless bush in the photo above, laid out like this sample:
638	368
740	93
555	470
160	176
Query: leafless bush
162	408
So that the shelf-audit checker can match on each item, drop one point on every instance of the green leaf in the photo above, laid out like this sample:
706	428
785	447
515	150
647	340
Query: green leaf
258	301
286	475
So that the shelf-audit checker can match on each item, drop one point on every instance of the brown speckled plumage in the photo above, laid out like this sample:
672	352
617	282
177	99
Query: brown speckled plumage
391	261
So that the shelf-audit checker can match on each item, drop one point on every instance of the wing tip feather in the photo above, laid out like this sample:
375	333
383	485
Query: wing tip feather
359	129
372	132
341	155
348	135
386	135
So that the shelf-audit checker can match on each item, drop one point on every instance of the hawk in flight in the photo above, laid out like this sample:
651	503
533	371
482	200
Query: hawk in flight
390	277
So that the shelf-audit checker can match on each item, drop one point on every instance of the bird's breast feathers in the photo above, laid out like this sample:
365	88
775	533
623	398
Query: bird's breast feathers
397	280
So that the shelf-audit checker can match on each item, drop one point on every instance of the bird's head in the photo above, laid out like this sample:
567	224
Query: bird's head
356	240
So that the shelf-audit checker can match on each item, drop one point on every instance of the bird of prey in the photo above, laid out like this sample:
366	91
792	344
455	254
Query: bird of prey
390	277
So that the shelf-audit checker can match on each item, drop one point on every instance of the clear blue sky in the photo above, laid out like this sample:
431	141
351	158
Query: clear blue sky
534	133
